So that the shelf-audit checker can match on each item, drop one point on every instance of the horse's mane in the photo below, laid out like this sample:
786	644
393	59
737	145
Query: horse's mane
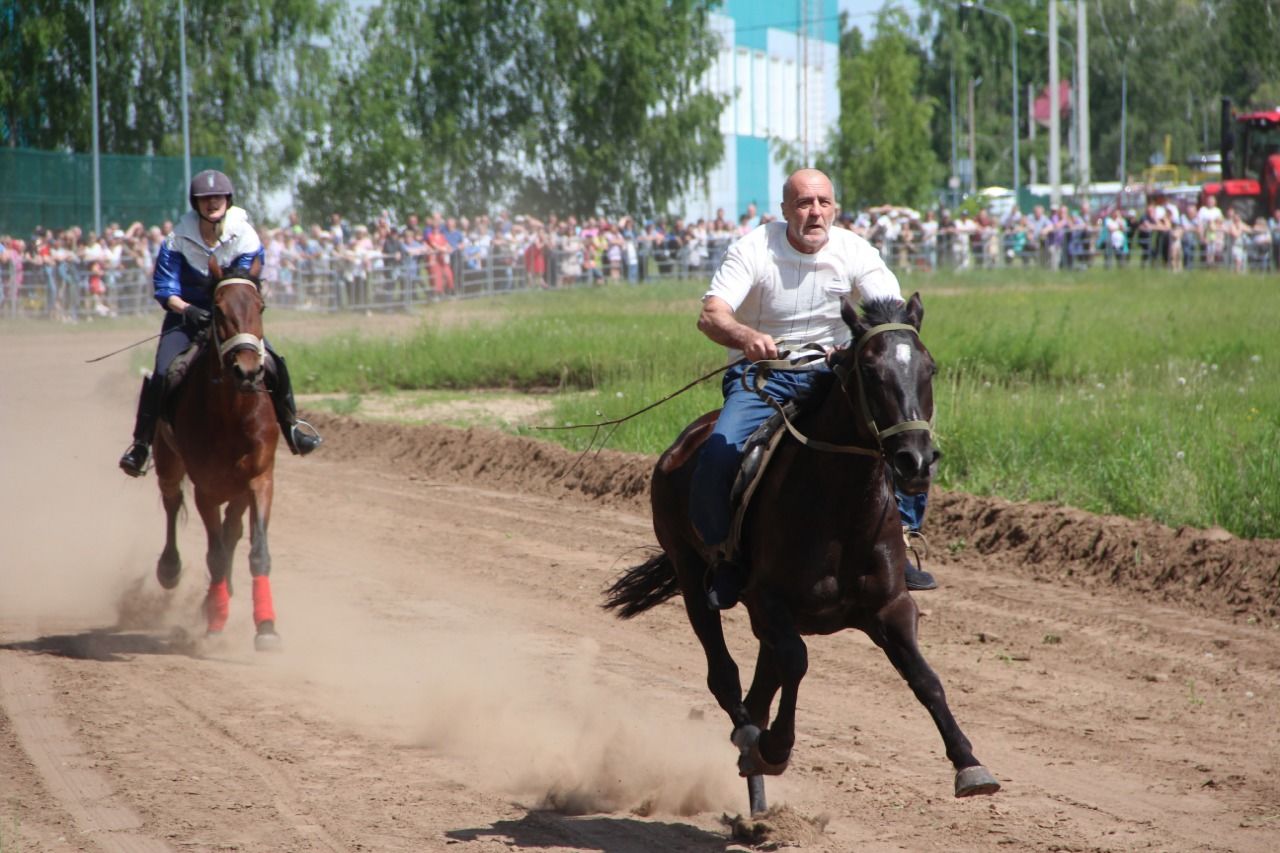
886	310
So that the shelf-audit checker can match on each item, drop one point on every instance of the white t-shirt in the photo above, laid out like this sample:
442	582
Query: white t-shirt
1210	219
795	297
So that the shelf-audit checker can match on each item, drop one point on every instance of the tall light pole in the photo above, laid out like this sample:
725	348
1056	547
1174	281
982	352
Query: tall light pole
1082	98
1076	134
1013	42
1055	140
182	58
93	84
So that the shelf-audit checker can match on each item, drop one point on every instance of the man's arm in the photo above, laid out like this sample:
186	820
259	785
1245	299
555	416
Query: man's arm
718	323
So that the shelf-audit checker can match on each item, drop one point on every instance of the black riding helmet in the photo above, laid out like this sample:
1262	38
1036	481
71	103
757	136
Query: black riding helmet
210	182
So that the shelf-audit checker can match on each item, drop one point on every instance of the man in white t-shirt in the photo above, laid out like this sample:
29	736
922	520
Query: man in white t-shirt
783	281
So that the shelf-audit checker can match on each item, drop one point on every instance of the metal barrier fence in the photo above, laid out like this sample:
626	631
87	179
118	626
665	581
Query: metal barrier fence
71	290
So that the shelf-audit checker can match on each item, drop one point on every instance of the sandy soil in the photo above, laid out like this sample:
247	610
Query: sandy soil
449	682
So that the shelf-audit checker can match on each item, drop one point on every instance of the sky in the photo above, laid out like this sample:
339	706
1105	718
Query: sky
862	13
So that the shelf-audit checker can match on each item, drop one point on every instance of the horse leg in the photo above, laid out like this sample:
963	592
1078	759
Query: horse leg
764	686
725	685
169	474
264	614
783	662
217	600
895	633
232	531
722	671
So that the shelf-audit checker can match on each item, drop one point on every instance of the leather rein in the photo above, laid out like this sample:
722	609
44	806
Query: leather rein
842	370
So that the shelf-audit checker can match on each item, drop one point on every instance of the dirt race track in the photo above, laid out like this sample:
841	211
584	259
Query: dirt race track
448	681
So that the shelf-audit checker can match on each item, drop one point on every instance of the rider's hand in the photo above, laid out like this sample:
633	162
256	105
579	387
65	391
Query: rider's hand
761	346
195	318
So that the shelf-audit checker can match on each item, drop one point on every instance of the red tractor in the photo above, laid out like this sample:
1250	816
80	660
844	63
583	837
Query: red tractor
1250	163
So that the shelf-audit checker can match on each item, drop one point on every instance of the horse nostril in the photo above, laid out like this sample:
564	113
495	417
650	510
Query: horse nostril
907	462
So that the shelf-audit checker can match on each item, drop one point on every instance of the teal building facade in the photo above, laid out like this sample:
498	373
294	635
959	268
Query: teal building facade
777	67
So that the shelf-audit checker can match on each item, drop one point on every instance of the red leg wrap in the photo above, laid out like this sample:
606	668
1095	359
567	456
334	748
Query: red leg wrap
217	604
263	611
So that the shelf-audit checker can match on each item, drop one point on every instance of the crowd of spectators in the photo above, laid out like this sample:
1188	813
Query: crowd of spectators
1171	233
334	265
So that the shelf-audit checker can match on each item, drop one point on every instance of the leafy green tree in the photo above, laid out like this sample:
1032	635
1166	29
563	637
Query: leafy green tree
572	106
881	152
1251	38
256	82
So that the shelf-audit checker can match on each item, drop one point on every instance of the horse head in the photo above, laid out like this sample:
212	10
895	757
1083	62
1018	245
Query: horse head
888	375
237	323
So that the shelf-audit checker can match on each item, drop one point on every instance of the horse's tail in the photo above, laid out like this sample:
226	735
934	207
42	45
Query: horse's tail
642	587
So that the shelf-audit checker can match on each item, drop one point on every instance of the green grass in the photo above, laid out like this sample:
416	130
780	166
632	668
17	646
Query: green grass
1130	392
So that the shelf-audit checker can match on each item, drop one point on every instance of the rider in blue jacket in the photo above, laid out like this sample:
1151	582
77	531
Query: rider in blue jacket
183	287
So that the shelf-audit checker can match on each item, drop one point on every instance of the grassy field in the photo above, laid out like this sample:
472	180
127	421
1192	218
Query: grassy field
1135	392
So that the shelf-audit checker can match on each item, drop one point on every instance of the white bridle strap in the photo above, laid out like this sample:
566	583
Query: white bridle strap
227	281
244	337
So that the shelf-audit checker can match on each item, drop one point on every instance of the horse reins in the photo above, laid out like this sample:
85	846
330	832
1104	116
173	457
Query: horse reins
813	362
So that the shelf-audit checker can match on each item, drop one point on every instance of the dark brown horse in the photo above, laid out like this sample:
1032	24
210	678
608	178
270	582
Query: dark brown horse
222	434
822	540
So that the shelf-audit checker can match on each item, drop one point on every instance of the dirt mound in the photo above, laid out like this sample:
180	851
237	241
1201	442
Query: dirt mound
1204	570
778	827
1208	570
486	457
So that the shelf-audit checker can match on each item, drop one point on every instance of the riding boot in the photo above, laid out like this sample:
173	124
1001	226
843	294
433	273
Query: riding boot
724	584
301	436
134	461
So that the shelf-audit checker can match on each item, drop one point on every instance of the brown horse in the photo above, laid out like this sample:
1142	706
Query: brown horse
822	540
222	434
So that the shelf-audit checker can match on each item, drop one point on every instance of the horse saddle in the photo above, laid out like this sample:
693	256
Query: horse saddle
756	454
181	364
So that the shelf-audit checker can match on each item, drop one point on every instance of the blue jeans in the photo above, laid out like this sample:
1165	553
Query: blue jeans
720	456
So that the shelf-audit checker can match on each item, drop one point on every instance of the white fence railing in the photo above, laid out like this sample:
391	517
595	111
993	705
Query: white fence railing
71	290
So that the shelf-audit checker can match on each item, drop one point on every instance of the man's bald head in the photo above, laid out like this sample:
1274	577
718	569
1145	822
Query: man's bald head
809	206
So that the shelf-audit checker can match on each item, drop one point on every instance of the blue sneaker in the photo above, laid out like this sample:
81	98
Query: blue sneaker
918	579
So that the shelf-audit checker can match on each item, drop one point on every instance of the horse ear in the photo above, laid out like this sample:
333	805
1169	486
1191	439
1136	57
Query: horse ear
849	312
215	269
255	268
915	310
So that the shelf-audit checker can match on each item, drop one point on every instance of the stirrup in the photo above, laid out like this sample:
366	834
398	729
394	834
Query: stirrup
135	460
915	542
918	580
303	437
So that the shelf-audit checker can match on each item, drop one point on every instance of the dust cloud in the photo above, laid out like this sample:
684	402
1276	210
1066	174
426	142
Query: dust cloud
523	710
526	713
74	531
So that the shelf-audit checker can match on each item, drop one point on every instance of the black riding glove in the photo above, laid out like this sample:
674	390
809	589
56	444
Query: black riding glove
195	318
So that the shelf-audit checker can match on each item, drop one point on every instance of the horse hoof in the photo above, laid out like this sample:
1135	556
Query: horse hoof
168	575
975	780
750	760
267	642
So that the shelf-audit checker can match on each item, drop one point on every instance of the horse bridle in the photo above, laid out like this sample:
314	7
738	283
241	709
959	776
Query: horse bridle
243	340
842	371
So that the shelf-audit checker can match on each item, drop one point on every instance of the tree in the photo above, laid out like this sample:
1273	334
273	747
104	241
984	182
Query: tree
255	82
882	152
572	106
